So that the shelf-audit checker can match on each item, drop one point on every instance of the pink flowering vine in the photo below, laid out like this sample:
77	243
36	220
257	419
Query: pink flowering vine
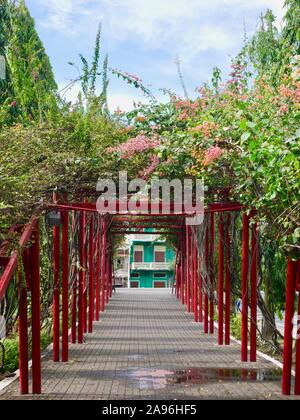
186	105
237	82
213	154
284	109
135	145
206	128
291	94
154	162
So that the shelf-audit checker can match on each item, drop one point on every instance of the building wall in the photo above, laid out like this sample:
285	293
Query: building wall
146	278
149	251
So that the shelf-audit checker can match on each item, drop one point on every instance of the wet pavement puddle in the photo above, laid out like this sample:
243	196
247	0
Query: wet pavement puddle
145	379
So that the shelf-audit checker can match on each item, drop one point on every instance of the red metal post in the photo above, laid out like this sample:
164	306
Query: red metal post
221	283
182	256
91	275
98	272
200	295
195	291
188	295
212	276
23	336
178	280
65	285
206	300
107	276
74	313
192	273
111	266
36	311
74	291
85	283
297	368
289	326
228	285
103	276
254	263
56	291
81	280
245	272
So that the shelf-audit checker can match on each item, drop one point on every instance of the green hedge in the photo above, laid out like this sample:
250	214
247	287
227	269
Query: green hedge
11	345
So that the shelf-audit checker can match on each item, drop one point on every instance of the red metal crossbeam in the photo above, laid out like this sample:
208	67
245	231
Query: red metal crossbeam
149	219
128	232
119	209
223	207
88	207
154	226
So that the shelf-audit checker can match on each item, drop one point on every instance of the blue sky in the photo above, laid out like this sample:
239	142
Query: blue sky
143	37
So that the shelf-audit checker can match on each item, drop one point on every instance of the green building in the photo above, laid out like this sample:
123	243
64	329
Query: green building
151	263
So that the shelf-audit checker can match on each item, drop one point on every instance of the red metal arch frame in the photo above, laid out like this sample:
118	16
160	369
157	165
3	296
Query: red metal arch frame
94	280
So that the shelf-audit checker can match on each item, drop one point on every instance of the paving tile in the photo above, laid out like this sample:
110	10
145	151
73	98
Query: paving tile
146	346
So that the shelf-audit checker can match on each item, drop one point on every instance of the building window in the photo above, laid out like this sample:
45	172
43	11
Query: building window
135	275
160	254
139	254
160	275
160	285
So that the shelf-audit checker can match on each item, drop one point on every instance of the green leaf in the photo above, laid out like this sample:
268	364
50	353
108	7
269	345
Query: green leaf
246	136
252	145
251	124
243	125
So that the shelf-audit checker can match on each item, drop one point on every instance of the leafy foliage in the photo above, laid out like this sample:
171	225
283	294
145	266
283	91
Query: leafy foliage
30	93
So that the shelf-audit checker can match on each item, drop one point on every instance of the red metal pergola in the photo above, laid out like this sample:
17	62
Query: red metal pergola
92	290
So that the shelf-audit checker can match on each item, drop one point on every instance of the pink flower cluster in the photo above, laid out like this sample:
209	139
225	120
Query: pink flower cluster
286	92
292	94
188	108
206	128
148	171
237	76
133	77
203	92
125	75
213	154
135	145
184	115
180	104
284	109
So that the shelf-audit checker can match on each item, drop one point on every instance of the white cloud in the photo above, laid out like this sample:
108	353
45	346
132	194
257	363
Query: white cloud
206	38
123	101
189	26
67	16
147	18
202	32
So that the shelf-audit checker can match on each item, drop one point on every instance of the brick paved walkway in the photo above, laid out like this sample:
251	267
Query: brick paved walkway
147	347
